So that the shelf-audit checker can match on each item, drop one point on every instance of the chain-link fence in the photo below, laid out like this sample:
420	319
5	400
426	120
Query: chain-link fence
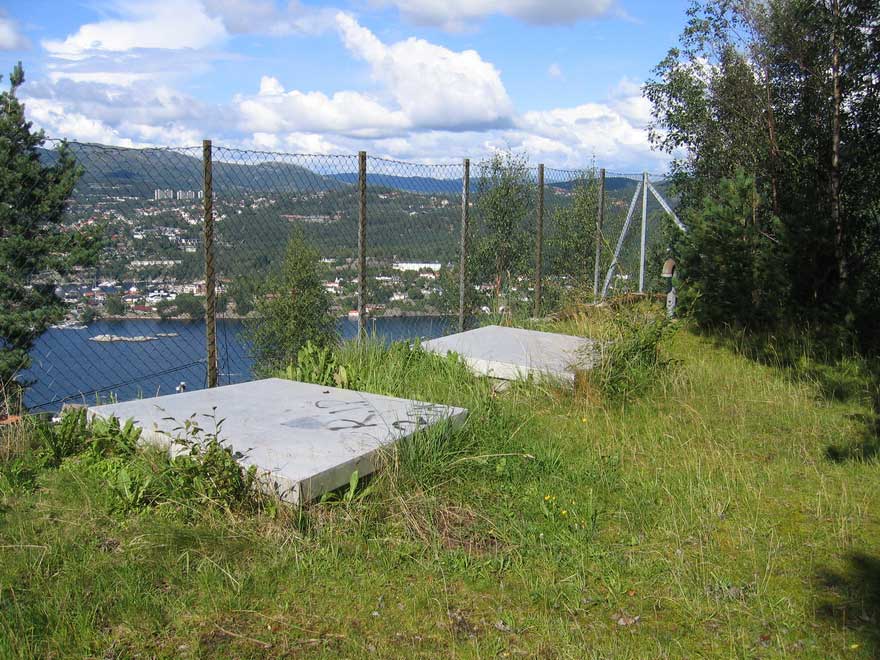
404	250
142	213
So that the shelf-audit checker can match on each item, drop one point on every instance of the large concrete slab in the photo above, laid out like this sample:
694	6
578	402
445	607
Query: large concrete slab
514	353
304	439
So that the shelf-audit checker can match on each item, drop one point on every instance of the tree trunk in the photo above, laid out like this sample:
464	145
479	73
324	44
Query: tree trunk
836	219
774	145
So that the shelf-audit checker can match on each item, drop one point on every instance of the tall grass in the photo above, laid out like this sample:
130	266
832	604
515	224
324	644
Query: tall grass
701	519
631	361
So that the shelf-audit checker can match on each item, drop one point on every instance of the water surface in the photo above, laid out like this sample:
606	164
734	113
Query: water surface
67	366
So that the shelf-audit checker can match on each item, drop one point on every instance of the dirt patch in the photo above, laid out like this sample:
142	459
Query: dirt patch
461	624
459	528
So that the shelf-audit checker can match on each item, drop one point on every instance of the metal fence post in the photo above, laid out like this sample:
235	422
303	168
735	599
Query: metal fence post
600	219
362	245
210	301
642	256
539	257
462	260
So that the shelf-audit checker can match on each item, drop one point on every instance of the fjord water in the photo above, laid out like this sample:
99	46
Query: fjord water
69	367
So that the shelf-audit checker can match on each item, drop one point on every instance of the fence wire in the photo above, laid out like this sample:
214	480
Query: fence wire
413	237
133	322
143	209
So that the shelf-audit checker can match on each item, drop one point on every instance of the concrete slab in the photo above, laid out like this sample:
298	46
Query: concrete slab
304	439
514	353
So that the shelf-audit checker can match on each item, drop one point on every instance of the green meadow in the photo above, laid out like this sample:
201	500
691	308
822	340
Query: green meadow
720	500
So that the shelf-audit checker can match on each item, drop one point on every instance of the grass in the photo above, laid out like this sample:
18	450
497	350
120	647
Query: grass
705	518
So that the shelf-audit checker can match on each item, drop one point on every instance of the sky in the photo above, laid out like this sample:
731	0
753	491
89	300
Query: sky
419	80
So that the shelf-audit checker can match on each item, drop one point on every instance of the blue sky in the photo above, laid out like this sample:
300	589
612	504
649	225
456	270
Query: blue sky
427	80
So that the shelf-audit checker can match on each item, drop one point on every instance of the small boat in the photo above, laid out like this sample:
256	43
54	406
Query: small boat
167	334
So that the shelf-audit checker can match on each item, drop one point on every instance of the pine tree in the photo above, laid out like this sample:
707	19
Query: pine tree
35	247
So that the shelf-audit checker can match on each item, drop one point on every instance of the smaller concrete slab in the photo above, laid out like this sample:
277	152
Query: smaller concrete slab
304	439
514	353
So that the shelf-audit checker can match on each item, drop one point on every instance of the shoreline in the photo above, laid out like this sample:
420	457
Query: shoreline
226	317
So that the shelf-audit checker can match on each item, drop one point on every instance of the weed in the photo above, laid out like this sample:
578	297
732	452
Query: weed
205	469
631	361
67	438
108	438
314	364
350	495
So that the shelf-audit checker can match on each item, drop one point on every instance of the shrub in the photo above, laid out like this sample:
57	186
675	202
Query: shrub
207	470
66	438
631	361
291	309
733	258
318	365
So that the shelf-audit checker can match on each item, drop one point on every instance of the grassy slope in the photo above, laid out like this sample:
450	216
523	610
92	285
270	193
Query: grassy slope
702	520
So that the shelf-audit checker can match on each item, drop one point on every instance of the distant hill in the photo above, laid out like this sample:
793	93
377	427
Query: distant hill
413	184
430	185
140	171
612	184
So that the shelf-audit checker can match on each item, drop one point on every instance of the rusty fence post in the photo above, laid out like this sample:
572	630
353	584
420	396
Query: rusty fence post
210	275
539	252
462	258
362	245
600	220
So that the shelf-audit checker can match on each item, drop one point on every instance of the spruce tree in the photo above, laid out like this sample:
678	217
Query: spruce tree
35	246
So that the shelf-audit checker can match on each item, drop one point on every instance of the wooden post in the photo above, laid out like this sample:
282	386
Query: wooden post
600	219
462	258
539	257
210	301
362	245
642	254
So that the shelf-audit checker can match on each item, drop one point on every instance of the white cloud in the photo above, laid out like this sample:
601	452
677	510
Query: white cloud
273	110
424	102
421	86
458	15
122	115
161	66
123	78
433	86
627	100
11	37
264	17
163	24
588	129
311	143
244	16
611	130
59	121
